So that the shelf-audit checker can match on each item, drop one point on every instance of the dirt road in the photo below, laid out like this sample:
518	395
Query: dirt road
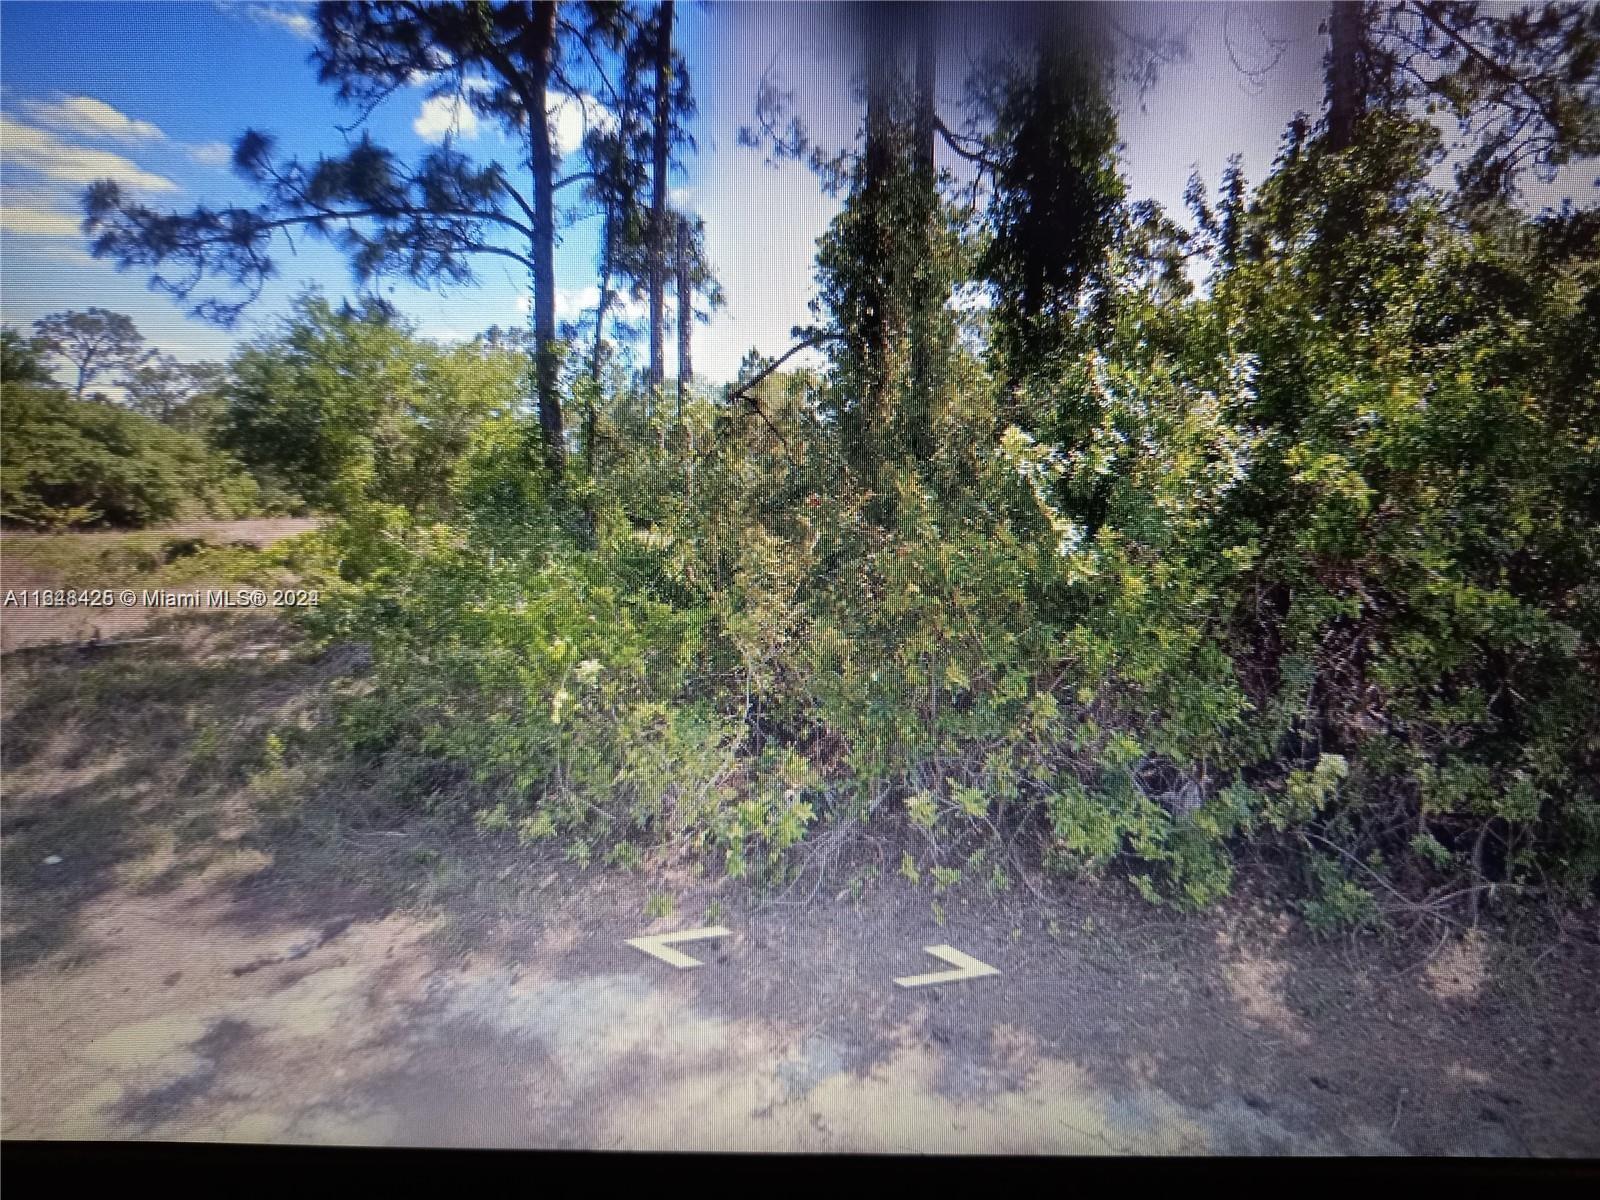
23	567
210	1012
371	1039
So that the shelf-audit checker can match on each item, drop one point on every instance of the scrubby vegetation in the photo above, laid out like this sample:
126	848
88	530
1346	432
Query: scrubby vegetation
81	462
1304	557
332	406
1276	529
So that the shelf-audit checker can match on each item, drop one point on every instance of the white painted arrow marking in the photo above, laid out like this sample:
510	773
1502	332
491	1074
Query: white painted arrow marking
660	946
966	967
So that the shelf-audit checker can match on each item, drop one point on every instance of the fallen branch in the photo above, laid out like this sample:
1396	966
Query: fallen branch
316	942
816	337
91	644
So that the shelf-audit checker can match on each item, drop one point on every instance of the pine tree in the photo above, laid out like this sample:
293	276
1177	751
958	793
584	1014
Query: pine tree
430	221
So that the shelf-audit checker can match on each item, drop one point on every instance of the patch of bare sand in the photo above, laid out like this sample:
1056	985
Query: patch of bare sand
372	1038
44	626
1460	971
114	1041
630	1062
1256	980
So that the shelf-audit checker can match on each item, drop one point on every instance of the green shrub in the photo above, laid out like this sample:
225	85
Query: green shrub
1307	560
73	463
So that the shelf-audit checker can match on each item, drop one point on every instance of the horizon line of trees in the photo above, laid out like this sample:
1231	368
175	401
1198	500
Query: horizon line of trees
318	410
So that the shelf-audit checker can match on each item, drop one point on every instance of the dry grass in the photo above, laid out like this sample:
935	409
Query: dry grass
220	550
213	755
212	554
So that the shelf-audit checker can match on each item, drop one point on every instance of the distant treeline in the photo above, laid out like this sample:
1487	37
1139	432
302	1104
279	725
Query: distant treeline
337	403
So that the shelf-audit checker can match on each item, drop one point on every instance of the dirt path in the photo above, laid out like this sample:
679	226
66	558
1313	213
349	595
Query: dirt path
201	948
260	531
23	568
154	1031
198	1014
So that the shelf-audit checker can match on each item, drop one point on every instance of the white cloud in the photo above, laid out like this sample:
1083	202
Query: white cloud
446	116
570	118
572	303
38	222
291	18
211	154
72	255
92	118
32	253
566	126
575	302
37	150
46	217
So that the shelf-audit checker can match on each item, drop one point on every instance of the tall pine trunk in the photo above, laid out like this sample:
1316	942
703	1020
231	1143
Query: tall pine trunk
927	63
602	309
919	432
685	332
685	315
658	199
879	324
541	35
607	255
1345	94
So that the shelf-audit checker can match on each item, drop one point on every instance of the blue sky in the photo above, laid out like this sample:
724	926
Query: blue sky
189	77
153	94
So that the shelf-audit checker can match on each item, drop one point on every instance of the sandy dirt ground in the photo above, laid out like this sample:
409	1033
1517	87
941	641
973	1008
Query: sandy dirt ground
194	1015
184	971
39	627
369	1039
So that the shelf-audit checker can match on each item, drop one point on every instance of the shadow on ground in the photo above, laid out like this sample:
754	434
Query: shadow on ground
132	767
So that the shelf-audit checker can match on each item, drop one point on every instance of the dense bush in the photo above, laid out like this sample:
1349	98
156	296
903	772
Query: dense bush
72	463
1307	559
1424	506
344	405
1281	531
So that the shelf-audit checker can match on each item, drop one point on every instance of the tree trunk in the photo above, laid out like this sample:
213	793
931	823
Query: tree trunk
927	64
658	199
685	315
607	253
878	166
604	306
920	419
1345	93
541	35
